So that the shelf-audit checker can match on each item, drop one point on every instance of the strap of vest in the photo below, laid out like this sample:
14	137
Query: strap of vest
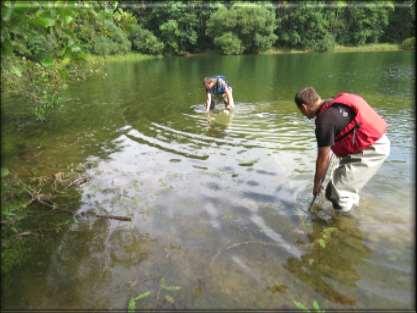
353	129
216	86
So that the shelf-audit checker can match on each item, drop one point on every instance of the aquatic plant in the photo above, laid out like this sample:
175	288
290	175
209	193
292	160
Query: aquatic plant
324	239
159	293
315	309
164	286
132	301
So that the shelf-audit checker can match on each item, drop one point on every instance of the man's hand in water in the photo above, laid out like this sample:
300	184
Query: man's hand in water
317	190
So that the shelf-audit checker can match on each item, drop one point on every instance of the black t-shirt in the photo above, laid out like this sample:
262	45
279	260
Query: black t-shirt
330	122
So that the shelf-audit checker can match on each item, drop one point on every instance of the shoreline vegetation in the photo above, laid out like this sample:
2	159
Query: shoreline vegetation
378	47
130	57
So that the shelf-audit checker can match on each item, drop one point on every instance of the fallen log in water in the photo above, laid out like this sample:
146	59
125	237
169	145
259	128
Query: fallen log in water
114	217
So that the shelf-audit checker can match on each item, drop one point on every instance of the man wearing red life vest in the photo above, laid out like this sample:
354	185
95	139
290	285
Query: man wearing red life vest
349	127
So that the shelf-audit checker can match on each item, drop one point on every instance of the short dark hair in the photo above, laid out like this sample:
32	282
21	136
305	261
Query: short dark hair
307	95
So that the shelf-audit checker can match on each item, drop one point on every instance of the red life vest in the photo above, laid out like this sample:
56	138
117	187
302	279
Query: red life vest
362	131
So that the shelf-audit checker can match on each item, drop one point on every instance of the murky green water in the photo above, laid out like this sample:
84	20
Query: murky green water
217	200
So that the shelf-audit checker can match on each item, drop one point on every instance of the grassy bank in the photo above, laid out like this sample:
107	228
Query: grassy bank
378	47
120	58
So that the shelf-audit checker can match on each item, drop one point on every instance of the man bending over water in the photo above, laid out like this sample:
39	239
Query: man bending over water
217	89
348	126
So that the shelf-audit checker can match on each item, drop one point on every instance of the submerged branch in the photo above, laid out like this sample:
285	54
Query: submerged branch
114	217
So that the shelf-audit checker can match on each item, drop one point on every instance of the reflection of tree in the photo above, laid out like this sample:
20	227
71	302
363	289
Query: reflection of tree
218	122
330	267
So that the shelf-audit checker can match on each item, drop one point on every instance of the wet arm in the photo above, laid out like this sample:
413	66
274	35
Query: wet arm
322	163
208	101
230	102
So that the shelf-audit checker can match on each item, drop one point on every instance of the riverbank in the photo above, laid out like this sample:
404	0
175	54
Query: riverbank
97	59
378	47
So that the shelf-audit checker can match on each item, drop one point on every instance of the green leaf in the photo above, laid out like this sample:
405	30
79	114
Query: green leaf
68	19
329	230
44	21
4	172
301	306
75	49
171	288
131	307
143	295
15	70
8	13
48	61
316	306
322	243
169	299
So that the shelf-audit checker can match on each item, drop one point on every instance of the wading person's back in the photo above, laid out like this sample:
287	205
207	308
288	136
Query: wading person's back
217	89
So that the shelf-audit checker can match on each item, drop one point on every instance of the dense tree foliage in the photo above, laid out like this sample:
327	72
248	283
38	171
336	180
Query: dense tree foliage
246	28
304	27
402	22
178	24
364	24
44	30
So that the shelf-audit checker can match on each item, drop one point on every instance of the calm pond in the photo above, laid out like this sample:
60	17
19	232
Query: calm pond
217	201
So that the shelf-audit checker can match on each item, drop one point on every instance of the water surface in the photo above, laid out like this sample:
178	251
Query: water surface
218	200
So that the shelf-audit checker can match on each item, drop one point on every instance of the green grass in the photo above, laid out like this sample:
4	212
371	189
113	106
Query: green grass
140	57
339	48
369	48
275	50
119	58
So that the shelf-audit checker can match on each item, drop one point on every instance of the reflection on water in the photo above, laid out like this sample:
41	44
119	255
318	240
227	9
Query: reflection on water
217	201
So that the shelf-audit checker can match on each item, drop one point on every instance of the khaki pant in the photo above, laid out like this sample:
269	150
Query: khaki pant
353	172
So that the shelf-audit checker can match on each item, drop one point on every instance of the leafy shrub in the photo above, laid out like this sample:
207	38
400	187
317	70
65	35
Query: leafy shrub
145	41
178	24
170	34
42	46
103	46
327	43
252	28
304	27
409	44
126	21
113	41
367	23
119	37
229	43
